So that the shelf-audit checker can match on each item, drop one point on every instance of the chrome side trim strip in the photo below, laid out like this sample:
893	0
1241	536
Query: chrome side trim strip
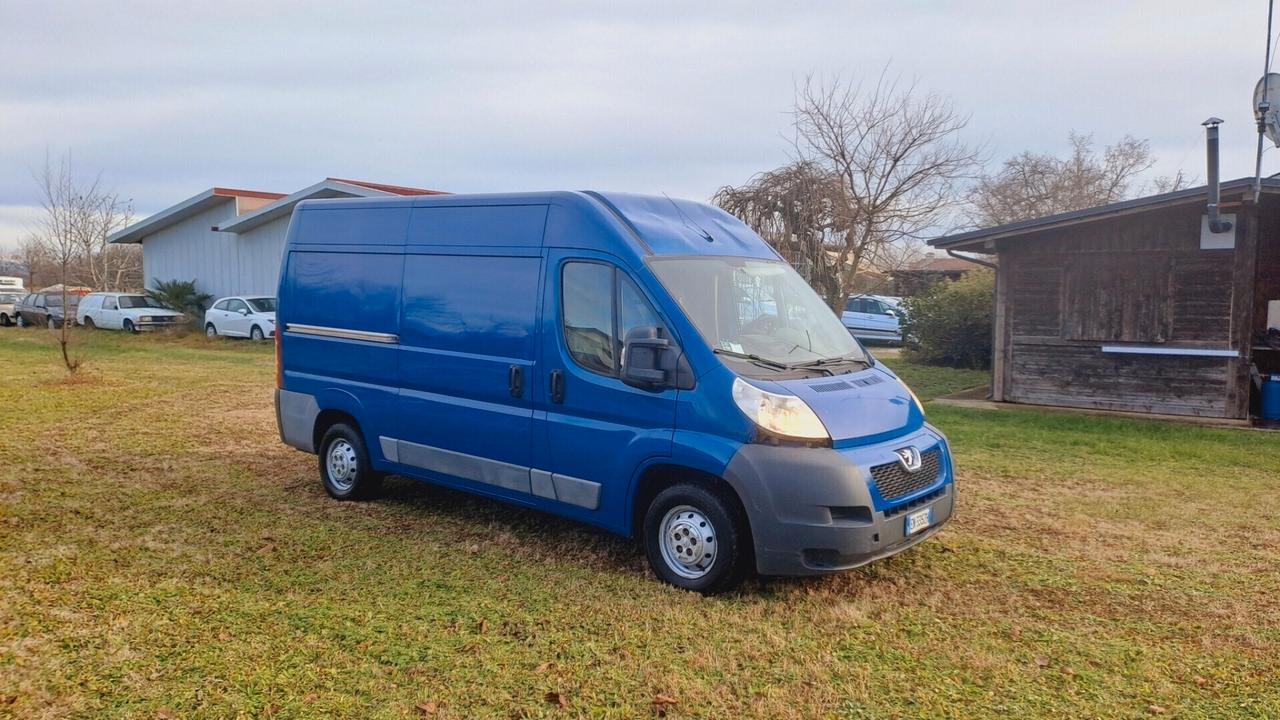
532	481
343	333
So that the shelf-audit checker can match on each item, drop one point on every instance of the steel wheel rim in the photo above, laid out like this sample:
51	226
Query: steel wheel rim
210	332
341	465
688	543
256	334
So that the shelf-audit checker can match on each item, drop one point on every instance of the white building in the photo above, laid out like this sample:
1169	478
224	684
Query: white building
231	241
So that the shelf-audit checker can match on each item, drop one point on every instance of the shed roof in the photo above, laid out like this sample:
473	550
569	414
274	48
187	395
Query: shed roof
191	206
975	240
327	188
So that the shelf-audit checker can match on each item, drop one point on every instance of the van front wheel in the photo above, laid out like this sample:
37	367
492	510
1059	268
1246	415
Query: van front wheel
344	465
696	539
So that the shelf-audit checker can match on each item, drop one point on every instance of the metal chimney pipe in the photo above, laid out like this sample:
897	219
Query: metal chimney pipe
1216	223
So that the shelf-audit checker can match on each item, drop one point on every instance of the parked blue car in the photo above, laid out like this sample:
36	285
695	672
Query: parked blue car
646	365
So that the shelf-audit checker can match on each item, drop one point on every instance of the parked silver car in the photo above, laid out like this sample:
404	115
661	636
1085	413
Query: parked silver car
7	301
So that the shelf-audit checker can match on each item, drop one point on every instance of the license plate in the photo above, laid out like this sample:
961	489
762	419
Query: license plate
919	520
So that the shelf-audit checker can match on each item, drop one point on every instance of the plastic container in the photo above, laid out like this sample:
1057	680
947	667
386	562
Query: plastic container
1271	398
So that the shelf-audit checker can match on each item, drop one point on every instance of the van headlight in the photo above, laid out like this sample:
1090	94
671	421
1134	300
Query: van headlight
785	415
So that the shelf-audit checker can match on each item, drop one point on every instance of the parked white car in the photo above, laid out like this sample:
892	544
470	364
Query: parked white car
242	316
131	312
874	318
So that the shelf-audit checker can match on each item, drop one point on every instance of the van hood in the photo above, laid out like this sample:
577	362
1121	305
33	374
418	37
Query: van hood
859	408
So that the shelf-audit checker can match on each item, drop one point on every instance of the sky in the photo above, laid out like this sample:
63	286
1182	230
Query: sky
166	99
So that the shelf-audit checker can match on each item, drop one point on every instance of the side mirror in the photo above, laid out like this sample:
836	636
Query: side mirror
642	352
244	312
650	360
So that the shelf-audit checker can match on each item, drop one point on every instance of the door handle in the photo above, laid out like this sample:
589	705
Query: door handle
557	386
515	380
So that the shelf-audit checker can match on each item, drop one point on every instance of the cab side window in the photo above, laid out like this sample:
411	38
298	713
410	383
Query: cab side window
586	304
221	304
599	306
237	306
110	303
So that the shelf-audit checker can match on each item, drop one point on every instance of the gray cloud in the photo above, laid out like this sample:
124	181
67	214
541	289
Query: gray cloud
166	99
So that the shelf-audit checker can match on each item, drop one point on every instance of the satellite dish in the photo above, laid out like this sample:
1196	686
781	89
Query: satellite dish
1267	93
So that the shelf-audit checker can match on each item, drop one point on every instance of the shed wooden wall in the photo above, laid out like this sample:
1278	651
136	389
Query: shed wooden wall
1139	279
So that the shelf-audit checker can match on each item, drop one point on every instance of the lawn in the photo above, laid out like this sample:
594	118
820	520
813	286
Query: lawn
162	555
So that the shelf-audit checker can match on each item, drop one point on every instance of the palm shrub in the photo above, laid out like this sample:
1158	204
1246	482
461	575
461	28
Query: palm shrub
949	323
183	296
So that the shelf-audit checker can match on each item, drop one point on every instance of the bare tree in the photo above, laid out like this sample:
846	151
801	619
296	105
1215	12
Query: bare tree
1031	185
795	209
899	159
72	236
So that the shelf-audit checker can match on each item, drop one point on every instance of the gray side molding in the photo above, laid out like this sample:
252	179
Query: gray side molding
471	467
296	415
532	481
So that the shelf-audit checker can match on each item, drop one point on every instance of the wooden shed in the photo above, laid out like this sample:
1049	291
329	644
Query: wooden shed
1137	306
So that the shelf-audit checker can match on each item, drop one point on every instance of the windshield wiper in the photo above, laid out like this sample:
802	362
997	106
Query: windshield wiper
753	358
823	362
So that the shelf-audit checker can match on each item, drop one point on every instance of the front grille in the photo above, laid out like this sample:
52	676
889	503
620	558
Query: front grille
893	480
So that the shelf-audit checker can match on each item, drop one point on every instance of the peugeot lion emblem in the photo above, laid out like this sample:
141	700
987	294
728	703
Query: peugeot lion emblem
909	457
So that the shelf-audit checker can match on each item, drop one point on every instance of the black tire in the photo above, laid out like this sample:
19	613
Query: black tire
21	321
256	334
210	330
360	482
128	326
4	320
717	528
88	323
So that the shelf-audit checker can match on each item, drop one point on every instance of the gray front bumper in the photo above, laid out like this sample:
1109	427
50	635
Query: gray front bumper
812	510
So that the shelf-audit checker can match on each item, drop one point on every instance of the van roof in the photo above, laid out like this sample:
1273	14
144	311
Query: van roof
662	225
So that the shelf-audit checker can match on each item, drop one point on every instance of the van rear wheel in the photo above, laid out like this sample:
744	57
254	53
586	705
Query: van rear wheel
696	539
344	465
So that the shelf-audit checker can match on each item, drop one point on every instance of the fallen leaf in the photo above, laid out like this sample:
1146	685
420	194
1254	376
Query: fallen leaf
165	713
661	699
8	699
1156	710
544	667
427	708
555	698
1015	633
1042	660
266	548
473	549
363	645
484	626
1067	670
1199	681
271	710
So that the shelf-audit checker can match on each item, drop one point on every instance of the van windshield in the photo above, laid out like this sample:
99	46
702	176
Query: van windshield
750	307
130	302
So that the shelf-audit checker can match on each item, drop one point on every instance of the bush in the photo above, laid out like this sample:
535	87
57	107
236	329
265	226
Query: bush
183	296
950	322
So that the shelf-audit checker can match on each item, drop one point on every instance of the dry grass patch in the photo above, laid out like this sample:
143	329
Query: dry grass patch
161	553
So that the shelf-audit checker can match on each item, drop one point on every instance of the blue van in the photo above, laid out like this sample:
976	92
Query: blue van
643	364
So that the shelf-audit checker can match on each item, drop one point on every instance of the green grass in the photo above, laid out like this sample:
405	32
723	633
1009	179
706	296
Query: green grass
163	555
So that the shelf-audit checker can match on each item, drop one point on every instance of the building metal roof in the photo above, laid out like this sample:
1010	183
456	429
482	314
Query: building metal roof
282	205
977	240
327	188
185	209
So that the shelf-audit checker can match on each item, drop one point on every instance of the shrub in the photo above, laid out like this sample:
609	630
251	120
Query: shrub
183	296
949	323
